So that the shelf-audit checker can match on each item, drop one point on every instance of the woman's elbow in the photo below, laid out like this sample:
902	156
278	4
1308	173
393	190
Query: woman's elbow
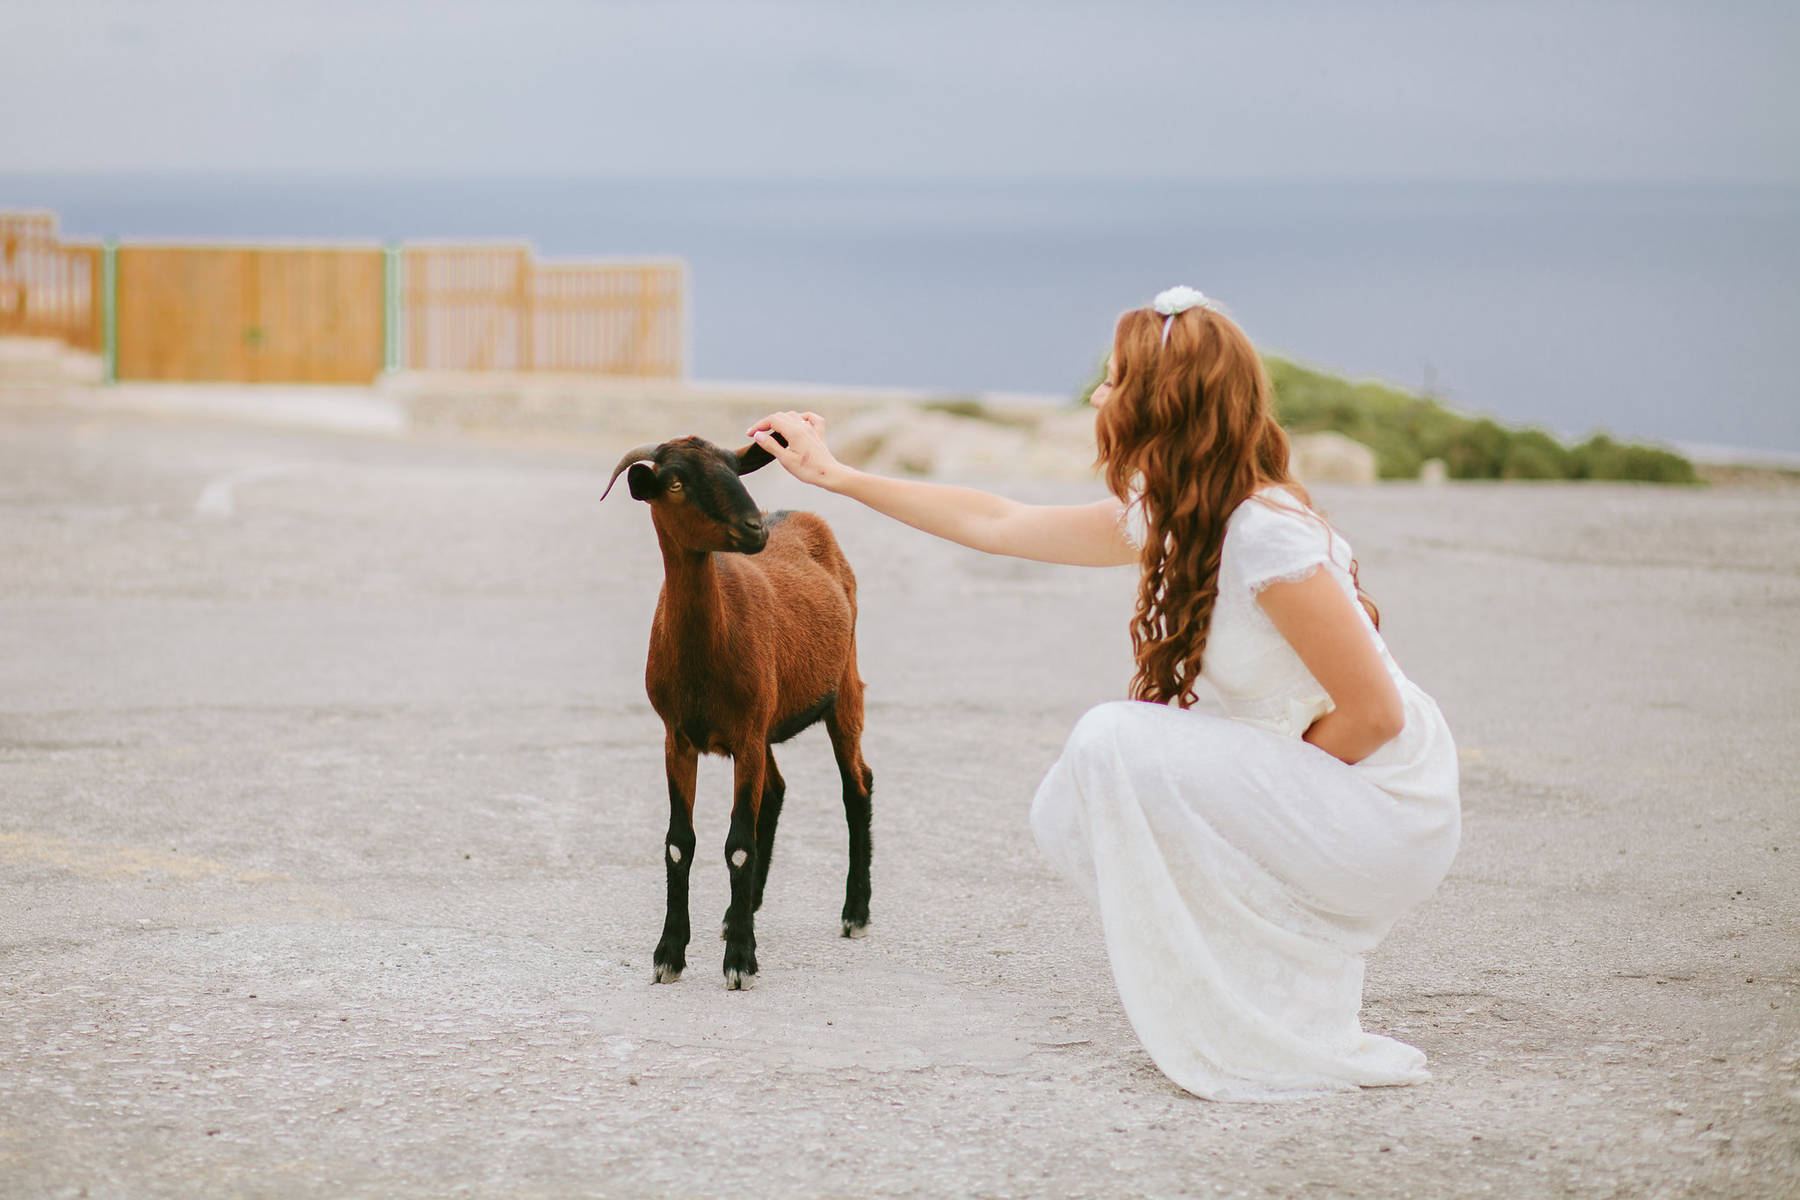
1370	725
1383	720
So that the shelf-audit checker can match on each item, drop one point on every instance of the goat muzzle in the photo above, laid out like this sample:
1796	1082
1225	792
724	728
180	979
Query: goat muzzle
750	536
636	454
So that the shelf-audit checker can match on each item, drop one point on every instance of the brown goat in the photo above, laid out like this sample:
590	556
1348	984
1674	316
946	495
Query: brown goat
745	652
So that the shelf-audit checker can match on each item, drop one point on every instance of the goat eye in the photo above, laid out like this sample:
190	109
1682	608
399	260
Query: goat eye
674	485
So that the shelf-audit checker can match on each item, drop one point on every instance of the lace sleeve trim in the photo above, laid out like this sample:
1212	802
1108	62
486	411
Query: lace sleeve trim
1130	520
1293	576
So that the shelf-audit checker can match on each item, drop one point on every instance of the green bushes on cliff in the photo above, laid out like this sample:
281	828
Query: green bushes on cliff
1405	430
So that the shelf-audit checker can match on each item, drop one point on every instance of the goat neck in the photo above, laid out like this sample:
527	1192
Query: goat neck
691	603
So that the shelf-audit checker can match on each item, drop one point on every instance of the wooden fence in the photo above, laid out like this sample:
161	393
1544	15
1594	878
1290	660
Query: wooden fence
468	308
49	287
479	308
251	314
308	313
613	318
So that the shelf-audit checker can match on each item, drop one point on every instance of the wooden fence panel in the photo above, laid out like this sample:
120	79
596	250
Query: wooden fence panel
48	288
320	310
493	308
614	318
302	314
468	307
181	312
25	239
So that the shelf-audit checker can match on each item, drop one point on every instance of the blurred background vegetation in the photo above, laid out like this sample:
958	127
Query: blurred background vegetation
1405	430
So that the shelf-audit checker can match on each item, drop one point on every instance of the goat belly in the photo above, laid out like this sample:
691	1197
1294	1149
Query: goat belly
787	727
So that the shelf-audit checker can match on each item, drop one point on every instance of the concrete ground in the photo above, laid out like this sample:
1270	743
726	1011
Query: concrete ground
331	812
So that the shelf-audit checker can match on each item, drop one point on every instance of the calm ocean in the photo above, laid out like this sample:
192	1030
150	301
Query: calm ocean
1664	312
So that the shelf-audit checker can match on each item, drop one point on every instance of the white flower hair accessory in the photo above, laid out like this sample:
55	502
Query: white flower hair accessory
1179	299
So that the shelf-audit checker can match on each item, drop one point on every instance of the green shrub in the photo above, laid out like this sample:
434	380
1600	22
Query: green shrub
1404	430
1534	454
1602	458
1477	450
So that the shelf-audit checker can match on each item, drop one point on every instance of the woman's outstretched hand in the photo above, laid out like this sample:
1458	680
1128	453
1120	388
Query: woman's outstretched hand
1080	534
806	456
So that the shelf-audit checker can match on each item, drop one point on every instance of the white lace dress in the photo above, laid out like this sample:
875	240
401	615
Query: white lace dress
1241	873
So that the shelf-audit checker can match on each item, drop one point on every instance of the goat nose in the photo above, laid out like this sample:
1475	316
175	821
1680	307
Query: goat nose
752	535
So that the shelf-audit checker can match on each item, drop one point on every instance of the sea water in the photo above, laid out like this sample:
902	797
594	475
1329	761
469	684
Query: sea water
1655	311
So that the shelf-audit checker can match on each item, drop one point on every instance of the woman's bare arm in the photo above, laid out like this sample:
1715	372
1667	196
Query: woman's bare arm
1086	535
1325	629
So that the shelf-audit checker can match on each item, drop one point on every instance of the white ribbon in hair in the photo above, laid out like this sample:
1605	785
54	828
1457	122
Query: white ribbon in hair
1179	299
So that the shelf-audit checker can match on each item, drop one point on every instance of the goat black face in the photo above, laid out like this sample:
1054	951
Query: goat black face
694	493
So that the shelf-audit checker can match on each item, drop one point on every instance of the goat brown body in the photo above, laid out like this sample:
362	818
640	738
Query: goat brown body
756	614
754	639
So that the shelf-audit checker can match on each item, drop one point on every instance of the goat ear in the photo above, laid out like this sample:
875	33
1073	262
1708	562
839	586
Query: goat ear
753	457
640	477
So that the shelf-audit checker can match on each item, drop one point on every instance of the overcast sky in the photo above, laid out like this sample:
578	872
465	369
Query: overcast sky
1258	88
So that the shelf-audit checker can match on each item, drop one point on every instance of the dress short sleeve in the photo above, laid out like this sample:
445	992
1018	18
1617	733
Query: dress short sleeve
1277	545
1133	525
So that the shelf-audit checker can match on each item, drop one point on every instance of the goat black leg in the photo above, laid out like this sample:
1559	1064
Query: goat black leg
740	859
773	792
844	723
680	761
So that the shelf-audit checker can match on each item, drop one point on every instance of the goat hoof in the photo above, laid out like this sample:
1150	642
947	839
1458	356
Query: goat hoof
740	965
670	960
856	929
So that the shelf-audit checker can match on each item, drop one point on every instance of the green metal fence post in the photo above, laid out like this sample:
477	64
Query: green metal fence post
109	289
393	337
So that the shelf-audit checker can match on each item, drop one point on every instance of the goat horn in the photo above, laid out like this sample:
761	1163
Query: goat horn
636	454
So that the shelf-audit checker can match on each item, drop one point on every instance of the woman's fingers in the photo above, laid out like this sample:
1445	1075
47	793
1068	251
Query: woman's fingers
787	424
779	447
787	427
812	419
768	422
805	455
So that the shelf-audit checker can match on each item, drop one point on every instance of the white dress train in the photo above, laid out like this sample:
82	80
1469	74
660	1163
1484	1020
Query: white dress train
1241	873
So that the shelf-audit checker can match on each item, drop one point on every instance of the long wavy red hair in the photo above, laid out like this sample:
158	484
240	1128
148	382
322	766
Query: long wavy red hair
1188	431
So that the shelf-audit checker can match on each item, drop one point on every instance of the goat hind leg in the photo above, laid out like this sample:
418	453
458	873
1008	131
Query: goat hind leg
773	792
844	723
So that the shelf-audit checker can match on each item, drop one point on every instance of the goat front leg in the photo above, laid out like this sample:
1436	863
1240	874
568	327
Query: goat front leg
680	760
749	765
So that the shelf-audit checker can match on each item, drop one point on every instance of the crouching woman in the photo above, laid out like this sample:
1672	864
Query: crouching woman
1242	865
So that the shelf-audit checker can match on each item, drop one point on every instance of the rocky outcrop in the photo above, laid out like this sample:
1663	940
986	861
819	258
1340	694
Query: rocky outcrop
1331	458
1027	443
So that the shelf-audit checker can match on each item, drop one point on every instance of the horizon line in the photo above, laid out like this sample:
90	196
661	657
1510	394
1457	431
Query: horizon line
689	175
